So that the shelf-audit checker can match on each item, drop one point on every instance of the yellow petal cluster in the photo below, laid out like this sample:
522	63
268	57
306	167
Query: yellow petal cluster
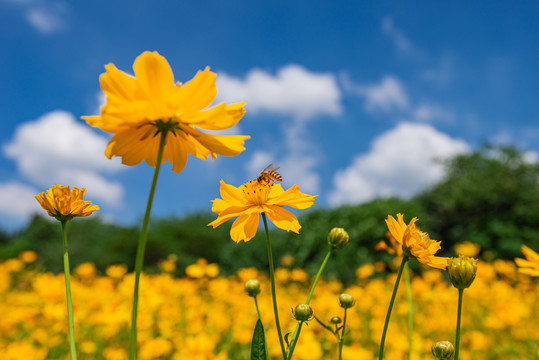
138	108
254	198
415	243
63	203
529	266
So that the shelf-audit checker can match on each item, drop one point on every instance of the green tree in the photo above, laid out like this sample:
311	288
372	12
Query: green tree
490	197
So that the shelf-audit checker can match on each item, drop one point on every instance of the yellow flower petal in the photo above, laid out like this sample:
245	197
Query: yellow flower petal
293	198
197	93
283	219
154	75
244	228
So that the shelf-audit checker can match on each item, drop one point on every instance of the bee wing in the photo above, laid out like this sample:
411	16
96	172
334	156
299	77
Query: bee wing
267	168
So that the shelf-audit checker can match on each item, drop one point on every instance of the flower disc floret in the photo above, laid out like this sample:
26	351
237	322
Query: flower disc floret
254	198
415	243
140	107
63	203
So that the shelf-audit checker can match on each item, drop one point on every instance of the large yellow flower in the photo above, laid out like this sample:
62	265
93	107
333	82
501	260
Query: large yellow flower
254	198
415	243
140	107
529	266
63	203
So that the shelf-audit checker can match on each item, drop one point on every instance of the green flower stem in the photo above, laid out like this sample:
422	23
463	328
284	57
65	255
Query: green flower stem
386	324
257	309
141	249
410	309
295	336
341	338
459	313
272	281
72	349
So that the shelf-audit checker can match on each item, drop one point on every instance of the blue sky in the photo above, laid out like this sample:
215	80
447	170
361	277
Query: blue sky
354	100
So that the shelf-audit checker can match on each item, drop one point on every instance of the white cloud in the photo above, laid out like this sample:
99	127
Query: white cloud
293	91
47	17
401	162
57	149
402	43
388	95
17	200
46	20
430	113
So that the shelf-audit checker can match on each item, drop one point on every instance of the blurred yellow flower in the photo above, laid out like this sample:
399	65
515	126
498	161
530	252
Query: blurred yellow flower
85	270
28	256
393	248
116	271
415	243
201	269
63	203
254	198
467	248
139	107
529	266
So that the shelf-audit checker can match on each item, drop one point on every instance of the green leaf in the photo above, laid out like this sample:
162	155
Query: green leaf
258	347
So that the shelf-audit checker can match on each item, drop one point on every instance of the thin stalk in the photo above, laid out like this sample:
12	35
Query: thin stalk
272	281
68	295
295	336
386	324
341	339
410	309
141	249
257	309
459	313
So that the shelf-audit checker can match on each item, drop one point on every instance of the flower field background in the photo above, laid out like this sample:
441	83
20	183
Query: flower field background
207	316
195	309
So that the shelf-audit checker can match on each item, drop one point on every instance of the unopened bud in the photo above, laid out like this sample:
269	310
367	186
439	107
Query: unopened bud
462	271
443	350
303	312
346	301
335	320
338	238
252	287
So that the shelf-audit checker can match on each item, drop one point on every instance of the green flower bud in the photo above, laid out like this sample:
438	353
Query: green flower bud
443	350
252	287
346	301
338	238
462	271
303	312
335	320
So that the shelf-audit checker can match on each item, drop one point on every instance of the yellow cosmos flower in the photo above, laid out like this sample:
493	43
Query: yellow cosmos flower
415	243
140	107
63	203
254	198
529	266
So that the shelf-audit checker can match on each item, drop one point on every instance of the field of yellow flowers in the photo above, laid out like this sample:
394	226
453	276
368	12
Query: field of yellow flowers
205	316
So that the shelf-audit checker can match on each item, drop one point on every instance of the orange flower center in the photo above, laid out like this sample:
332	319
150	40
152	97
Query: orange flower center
256	192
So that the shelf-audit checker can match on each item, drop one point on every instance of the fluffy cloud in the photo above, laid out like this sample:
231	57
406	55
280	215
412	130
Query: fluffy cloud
401	162
293	91
17	200
57	149
389	95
